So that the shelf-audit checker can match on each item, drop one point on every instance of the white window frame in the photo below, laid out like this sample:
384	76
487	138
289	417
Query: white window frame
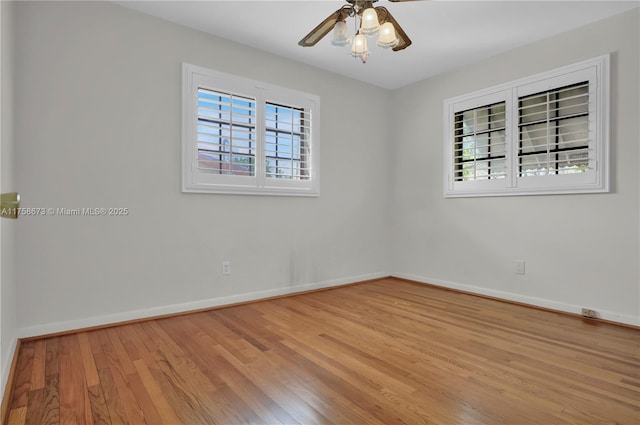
594	180
195	180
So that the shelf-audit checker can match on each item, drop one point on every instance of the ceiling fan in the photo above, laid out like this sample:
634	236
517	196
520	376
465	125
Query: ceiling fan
373	20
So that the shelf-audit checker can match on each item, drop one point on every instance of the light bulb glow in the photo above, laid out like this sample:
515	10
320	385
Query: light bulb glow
388	36
359	48
369	24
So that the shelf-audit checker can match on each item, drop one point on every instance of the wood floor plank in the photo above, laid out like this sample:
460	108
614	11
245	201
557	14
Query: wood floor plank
143	399
39	359
111	396
88	361
22	384
224	336
36	407
163	407
270	381
17	416
99	409
74	399
380	352
235	406
121	384
119	352
220	371
189	393
186	371
51	414
356	408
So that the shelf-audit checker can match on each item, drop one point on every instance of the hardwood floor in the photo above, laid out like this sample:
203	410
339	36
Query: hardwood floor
383	352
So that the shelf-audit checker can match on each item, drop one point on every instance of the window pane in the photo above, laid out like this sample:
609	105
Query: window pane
242	165
574	132
468	172
467	122
533	138
287	142
482	146
226	124
482	170
534	165
497	116
468	148
556	139
208	160
480	135
573	162
533	108
498	143
498	169
572	101
482	120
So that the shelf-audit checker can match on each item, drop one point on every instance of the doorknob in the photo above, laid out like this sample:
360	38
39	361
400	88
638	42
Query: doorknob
9	204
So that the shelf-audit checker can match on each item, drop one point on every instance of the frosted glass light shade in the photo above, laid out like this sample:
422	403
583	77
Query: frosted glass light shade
359	48
388	36
369	24
341	36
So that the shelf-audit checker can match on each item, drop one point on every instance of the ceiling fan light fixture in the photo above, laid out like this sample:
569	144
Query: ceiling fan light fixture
369	24
341	36
359	48
388	37
366	22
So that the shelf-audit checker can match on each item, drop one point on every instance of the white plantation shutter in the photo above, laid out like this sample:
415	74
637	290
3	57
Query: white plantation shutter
246	137
544	134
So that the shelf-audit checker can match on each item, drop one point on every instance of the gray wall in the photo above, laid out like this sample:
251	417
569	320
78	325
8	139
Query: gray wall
580	250
98	124
8	289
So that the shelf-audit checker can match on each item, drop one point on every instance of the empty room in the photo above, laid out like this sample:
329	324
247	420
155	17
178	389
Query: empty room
320	212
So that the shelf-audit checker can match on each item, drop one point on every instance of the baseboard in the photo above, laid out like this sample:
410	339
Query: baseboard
134	315
10	364
524	299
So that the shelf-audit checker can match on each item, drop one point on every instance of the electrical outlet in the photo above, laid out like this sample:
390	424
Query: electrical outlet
520	267
591	314
226	267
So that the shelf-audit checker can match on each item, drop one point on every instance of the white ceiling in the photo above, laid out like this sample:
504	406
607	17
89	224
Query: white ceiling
445	34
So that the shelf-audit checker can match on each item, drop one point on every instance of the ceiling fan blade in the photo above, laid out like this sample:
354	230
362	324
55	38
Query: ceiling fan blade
323	28
385	15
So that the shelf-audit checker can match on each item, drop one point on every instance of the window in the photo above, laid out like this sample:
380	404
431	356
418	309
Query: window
286	146
479	143
544	134
226	133
553	129
247	137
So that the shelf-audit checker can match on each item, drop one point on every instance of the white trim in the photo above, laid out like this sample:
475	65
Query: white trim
6	365
71	325
526	299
